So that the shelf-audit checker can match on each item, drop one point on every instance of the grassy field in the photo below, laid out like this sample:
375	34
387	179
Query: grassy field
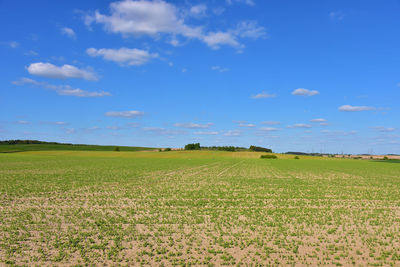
197	208
57	147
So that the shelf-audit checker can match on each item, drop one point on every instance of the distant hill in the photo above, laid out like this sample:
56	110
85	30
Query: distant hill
9	146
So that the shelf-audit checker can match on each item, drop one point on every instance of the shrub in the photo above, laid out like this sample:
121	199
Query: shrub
385	158
268	157
116	148
167	149
297	157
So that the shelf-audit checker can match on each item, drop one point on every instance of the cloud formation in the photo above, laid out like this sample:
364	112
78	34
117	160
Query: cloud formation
318	120
61	89
123	56
349	108
49	70
157	18
68	32
263	95
191	125
305	92
206	133
271	122
124	114
300	125
219	69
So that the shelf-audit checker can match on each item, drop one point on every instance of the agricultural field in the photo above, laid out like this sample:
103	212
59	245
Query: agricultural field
197	208
4	148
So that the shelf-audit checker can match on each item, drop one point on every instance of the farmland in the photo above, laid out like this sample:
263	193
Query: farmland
197	208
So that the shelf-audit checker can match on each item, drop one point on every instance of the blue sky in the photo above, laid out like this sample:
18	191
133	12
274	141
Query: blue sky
318	76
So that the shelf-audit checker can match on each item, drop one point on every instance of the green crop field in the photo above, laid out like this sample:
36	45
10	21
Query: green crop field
51	147
197	208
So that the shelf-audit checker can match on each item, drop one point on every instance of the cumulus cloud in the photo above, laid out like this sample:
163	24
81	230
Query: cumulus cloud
68	32
318	120
49	70
269	129
336	15
349	108
233	133
263	95
191	125
198	11
249	125
23	122
247	2
219	69
157	18
205	133
125	114
61	89
162	131
384	129
271	122
300	125
305	92
123	56
12	44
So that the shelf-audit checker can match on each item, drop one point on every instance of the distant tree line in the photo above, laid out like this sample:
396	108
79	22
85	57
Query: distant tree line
26	142
260	149
224	148
196	146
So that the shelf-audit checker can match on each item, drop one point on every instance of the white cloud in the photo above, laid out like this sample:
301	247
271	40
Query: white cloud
198	11
184	70
144	18
247	2
31	53
70	130
271	122
263	95
191	125
233	133
216	39
82	93
123	56
349	108
269	129
12	44
49	70
157	18
23	122
320	120
250	29
206	133
61	89
125	114
219	69
249	125
300	125
68	32
163	131
305	92
336	15
384	129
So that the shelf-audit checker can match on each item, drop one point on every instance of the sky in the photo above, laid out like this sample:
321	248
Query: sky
311	76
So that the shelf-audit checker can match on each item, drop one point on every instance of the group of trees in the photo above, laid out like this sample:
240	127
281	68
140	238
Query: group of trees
260	149
196	146
25	142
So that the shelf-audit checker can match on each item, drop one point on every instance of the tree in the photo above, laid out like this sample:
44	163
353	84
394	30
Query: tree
195	146
260	149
